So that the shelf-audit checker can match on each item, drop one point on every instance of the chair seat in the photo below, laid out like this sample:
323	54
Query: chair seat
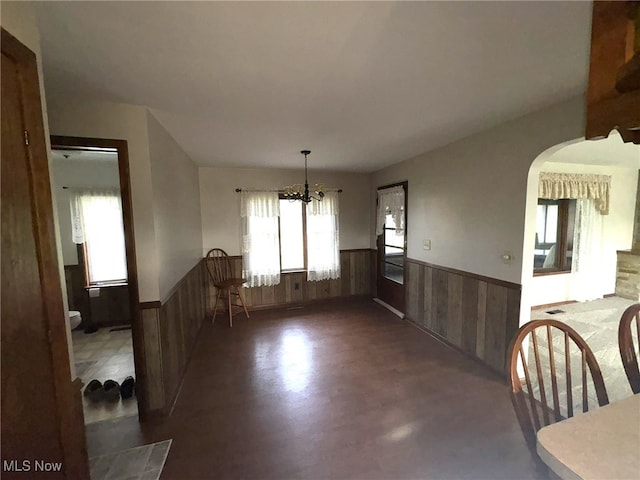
230	282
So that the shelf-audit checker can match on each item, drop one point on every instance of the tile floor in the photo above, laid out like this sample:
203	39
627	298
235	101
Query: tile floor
104	355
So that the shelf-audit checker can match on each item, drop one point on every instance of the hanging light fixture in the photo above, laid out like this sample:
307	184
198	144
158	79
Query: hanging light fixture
301	192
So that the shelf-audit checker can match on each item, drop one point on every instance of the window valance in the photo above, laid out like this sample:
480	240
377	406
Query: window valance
554	186
390	202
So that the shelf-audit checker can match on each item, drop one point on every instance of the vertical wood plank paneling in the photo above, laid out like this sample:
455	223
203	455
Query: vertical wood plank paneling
428	298
513	318
495	326
412	291
482	318
356	279
170	333
440	294
474	313
153	359
345	271
454	310
469	314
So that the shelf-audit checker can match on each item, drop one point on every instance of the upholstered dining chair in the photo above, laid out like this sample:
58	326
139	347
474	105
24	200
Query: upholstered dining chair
630	323
221	273
540	380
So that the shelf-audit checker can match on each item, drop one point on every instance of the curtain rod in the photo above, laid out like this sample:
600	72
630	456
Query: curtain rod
339	190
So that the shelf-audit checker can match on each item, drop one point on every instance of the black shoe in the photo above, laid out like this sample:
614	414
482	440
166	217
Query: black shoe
126	388
111	390
94	391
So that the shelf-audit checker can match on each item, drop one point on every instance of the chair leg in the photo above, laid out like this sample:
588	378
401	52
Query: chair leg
230	308
239	290
215	309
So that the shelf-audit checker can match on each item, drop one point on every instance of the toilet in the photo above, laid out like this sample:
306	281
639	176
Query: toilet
74	319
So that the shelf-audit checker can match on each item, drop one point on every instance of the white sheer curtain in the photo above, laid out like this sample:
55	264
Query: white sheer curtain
96	219
323	249
390	202
587	252
260	238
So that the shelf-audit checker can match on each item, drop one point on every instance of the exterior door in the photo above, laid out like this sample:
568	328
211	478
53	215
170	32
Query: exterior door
41	406
392	253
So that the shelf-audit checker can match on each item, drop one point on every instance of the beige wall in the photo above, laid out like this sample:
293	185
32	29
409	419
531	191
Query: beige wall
84	118
221	204
176	202
616	235
469	197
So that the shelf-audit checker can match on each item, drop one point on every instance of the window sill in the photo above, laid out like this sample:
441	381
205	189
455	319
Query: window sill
551	272
107	285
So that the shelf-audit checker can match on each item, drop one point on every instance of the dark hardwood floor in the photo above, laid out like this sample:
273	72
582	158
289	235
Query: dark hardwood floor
340	390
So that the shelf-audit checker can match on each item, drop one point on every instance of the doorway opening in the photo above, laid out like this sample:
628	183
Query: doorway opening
90	179
571	257
391	231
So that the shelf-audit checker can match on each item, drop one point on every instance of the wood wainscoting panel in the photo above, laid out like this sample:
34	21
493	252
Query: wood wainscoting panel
170	332
476	314
356	279
153	359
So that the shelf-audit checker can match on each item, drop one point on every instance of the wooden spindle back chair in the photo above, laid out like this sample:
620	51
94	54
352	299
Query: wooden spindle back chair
630	324
536	412
221	273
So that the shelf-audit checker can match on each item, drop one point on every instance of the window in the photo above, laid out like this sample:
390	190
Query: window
292	236
281	236
309	237
393	263
97	224
555	225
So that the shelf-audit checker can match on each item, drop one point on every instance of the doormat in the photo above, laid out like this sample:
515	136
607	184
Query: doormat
139	463
119	329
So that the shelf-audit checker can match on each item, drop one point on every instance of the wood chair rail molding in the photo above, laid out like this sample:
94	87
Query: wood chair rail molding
613	96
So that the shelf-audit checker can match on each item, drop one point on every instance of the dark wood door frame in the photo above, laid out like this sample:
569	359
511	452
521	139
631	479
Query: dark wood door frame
41	404
395	293
137	332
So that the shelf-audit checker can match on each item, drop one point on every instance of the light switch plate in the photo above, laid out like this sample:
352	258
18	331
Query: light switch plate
427	245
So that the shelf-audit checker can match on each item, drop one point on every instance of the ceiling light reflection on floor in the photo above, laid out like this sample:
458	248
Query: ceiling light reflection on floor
295	360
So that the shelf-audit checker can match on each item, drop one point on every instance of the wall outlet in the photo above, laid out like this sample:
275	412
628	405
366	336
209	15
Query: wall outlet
426	245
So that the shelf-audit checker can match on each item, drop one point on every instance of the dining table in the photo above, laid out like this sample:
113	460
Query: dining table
602	444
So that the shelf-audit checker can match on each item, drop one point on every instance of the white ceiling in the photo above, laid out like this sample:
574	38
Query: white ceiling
361	84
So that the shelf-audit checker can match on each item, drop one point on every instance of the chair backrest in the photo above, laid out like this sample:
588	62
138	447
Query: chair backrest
630	323
218	265
548	375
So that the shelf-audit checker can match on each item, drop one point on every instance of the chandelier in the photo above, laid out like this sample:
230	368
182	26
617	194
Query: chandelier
301	192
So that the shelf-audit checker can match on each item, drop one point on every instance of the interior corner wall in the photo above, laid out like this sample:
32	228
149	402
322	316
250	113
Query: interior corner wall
469	197
617	232
221	226
176	199
79	117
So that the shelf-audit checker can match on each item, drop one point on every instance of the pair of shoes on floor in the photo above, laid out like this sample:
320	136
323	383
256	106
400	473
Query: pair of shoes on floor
111	391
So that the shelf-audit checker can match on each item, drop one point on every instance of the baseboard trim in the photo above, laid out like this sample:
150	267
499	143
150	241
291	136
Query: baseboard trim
390	308
551	305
